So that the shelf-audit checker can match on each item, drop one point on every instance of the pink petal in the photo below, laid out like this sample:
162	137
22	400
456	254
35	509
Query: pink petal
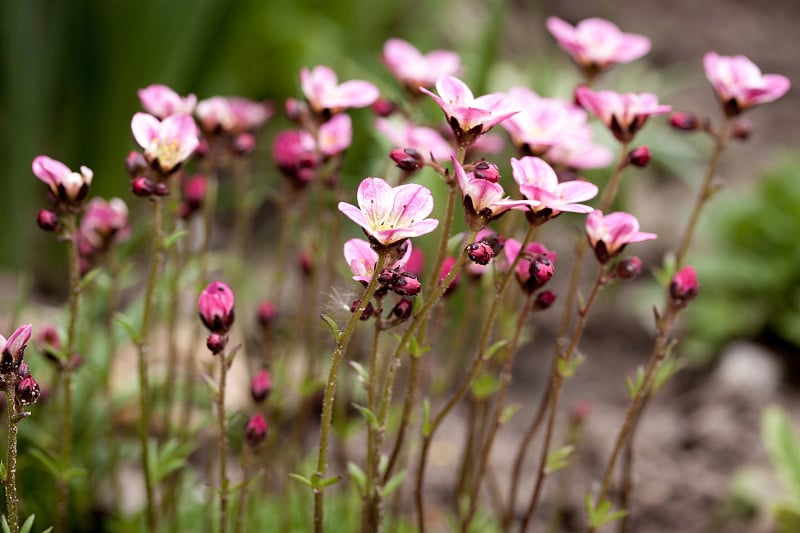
357	93
336	135
183	130
632	47
375	198
145	128
412	203
49	170
354	214
454	91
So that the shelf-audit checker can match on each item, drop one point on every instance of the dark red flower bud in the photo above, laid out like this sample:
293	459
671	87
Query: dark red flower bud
366	313
216	343
244	143
540	270
266	313
407	159
640	156
487	171
629	268
255	432
216	307
47	220
741	130
28	391
383	107
261	385
403	308
160	189
135	164
480	252
684	121
295	153
684	287
544	300
142	186
306	264
407	284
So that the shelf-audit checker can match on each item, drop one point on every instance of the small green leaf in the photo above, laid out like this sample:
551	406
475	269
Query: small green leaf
786	518
333	326
128	326
669	368
454	242
4	523
88	278
559	458
783	447
2	470
212	385
361	372
368	415
48	530
484	386
567	368
418	304
414	349
426	417
394	483
27	525
635	384
601	515
508	412
301	479
493	349
174	237
358	476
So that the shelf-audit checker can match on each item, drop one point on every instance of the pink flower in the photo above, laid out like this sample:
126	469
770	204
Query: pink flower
105	222
469	117
535	268
13	349
232	114
261	385
413	69
426	141
623	113
389	214
740	84
683	287
596	43
447	265
166	143
484	200
609	234
538	181
335	136
295	153
580	152
216	307
161	101
65	185
324	93
361	259
256	430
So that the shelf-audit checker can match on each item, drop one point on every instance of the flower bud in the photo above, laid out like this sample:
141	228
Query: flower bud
261	385
383	107
255	432
216	307
160	189
741	130
684	287
266	313
194	191
684	121
402	309
407	284
480	252
407	159
135	164
580	412
447	266
202	148
142	186
216	343
47	220
544	300
366	313
14	349
28	391
306	264
49	343
540	270
487	171
640	156
629	268
244	144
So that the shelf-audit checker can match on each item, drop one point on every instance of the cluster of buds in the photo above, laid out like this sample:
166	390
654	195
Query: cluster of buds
215	305
14	372
402	283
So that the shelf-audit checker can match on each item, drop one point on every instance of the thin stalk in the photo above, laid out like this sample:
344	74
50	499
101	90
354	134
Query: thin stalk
223	444
372	512
477	363
330	388
244	492
557	379
10	481
111	349
143	346
505	380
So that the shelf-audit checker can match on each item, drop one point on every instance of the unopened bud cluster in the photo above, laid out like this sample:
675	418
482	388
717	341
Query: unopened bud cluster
215	305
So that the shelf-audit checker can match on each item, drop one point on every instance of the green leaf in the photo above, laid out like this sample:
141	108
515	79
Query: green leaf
394	483
414	349
171	239
89	277
27	525
568	368
333	326
48	461
128	326
669	368
508	412
602	514
171	456
361	372
786	518
301	479
368	415
48	530
2	470
635	384
493	349
784	449
4	523
418	304
212	385
358	476
318	483
426	417
559	458
484	386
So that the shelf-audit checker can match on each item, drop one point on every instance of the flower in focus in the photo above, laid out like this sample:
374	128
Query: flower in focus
622	113
361	259
739	83
683	287
426	141
538	181
469	117
161	101
596	44
389	214
484	200
535	267
325	95
232	114
608	235
216	307
167	143
414	69
13	349
65	185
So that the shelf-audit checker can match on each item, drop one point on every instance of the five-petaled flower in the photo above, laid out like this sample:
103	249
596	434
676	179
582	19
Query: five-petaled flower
232	114
740	84
326	96
215	305
596	43
608	235
361	259
66	186
484	200
414	69
623	113
389	214
167	143
469	117
538	181
161	101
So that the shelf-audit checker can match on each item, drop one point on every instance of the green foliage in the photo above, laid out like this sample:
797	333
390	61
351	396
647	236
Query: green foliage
750	284
783	446
601	514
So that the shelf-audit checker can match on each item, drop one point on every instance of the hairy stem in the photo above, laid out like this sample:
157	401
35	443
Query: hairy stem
10	481
223	444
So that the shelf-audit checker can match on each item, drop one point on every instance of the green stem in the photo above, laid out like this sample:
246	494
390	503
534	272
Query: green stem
223	444
244	492
330	387
12	500
372	519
